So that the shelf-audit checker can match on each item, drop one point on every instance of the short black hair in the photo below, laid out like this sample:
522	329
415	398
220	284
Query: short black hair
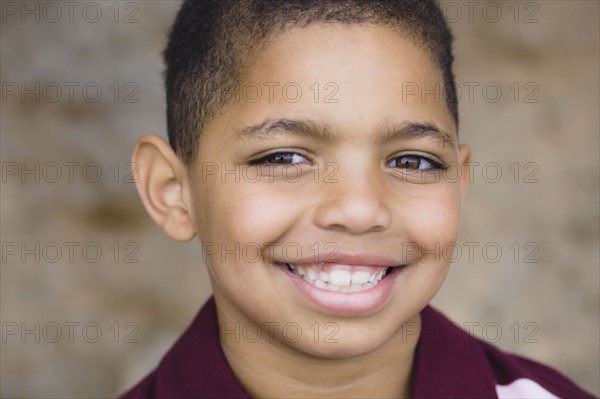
211	39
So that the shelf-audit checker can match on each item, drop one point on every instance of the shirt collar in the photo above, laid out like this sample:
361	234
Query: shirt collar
447	360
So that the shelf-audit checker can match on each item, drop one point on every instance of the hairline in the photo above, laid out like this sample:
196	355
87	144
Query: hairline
250	52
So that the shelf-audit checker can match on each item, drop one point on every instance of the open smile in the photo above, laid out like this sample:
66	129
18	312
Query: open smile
351	285
341	278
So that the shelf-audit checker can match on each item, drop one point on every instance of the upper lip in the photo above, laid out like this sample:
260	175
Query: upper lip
345	258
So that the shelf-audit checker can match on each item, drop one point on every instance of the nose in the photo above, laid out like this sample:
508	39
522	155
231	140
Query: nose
354	203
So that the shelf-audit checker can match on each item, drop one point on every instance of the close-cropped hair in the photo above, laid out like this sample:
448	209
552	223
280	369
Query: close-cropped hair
212	41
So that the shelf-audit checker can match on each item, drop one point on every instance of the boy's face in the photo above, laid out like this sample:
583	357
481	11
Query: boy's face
352	192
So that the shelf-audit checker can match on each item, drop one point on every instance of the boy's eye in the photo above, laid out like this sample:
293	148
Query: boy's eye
414	163
280	158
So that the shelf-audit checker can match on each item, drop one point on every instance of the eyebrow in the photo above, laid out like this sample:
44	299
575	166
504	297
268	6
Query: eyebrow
307	128
417	130
295	127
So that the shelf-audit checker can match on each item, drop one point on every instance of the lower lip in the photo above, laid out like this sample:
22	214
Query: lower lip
347	303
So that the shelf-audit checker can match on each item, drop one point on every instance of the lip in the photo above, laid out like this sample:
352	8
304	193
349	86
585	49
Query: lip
345	258
360	303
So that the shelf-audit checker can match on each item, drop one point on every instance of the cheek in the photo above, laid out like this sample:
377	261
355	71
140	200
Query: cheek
433	221
246	215
256	213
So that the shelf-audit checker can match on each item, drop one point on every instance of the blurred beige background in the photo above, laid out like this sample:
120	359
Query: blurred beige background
117	318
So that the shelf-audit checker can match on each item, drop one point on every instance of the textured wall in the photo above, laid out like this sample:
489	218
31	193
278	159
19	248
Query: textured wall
545	59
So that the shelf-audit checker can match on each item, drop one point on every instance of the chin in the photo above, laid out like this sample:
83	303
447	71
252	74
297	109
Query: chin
347	346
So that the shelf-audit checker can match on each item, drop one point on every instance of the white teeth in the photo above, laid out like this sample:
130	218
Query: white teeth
356	287
320	284
360	277
340	277
312	274
338	280
324	277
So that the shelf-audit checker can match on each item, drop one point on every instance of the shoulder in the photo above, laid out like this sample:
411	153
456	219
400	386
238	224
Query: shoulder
451	362
519	377
194	367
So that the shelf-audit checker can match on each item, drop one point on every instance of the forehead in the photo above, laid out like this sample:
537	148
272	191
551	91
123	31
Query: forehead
369	73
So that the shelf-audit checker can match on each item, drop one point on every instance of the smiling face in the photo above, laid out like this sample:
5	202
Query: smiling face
350	173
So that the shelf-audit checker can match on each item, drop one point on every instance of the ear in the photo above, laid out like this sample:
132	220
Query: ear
464	158
162	182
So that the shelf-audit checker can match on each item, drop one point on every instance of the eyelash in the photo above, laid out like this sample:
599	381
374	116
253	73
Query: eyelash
435	165
264	160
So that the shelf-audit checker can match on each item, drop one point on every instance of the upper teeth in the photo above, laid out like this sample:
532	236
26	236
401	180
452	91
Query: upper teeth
340	280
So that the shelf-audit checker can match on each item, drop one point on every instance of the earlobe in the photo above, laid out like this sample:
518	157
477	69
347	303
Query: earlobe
162	182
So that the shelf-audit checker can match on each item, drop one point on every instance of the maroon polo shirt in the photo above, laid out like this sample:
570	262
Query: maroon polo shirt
449	363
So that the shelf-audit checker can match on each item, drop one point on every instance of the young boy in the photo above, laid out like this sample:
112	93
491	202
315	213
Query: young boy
319	189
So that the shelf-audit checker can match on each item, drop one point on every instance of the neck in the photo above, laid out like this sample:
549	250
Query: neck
275	369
